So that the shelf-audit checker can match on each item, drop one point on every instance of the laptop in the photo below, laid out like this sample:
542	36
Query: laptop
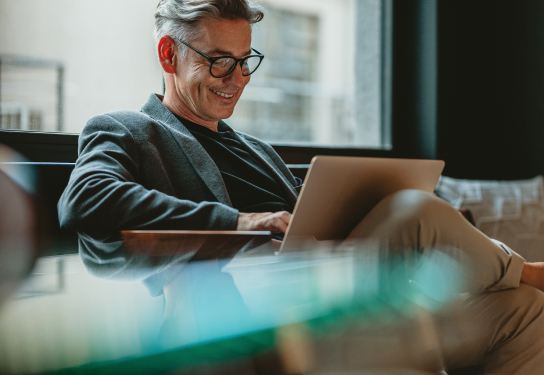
339	191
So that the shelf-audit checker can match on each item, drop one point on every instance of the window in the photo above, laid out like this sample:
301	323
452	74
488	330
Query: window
320	83
31	94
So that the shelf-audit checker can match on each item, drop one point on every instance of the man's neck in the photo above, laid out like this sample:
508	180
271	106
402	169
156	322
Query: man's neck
180	109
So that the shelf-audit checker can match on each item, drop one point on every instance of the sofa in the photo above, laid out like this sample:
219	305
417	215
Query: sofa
508	211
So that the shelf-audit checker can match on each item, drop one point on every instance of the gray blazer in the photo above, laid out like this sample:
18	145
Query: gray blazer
145	170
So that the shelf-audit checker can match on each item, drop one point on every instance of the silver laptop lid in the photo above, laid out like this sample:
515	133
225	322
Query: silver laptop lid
339	191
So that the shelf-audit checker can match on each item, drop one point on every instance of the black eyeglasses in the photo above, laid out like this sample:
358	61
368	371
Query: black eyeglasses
224	65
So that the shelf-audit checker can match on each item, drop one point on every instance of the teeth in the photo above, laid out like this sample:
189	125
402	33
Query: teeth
221	94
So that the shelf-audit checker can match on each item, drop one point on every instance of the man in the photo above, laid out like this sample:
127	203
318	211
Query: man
152	187
177	165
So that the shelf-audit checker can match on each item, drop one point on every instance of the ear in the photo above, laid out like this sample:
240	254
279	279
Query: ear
167	53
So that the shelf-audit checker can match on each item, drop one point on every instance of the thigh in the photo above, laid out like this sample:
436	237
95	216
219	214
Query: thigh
414	220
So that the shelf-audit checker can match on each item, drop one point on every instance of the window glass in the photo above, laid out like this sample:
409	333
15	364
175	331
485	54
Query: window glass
64	61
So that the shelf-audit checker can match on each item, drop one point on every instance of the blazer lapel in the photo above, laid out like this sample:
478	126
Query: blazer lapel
202	162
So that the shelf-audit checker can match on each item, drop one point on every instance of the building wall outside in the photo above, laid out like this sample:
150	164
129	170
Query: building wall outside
303	92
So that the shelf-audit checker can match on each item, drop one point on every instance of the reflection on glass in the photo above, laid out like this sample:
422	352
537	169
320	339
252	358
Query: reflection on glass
252	308
19	232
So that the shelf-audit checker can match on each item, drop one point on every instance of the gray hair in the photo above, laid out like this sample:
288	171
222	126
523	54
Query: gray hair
180	19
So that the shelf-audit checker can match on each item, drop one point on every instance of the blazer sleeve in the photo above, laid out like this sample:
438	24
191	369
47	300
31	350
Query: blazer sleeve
103	195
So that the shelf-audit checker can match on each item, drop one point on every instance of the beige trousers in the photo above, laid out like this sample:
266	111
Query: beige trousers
500	323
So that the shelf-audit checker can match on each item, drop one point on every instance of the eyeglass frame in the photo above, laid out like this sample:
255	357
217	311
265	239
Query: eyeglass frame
237	61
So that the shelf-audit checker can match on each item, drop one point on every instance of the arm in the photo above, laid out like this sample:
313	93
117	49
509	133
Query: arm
104	196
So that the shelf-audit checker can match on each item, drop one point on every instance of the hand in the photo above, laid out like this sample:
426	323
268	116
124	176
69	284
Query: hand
274	222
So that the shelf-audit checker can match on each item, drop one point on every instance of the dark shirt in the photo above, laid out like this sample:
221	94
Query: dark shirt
250	186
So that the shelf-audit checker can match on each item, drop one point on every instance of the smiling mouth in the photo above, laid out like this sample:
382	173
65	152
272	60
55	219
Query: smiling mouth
226	96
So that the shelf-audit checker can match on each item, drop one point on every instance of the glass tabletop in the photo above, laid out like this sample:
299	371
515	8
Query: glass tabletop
110	310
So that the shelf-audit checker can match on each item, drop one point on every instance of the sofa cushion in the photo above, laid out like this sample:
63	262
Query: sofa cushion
509	211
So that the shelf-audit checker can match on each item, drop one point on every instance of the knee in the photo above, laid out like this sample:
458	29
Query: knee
417	205
406	213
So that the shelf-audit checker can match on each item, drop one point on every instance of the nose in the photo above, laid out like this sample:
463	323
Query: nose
235	78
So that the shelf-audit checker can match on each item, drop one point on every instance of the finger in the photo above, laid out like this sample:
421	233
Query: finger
286	220
282	223
272	223
282	226
275	222
287	217
283	215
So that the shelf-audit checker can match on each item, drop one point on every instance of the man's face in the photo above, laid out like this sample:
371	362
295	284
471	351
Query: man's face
196	87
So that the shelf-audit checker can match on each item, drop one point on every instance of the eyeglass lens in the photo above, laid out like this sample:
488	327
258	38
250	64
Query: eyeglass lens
222	66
